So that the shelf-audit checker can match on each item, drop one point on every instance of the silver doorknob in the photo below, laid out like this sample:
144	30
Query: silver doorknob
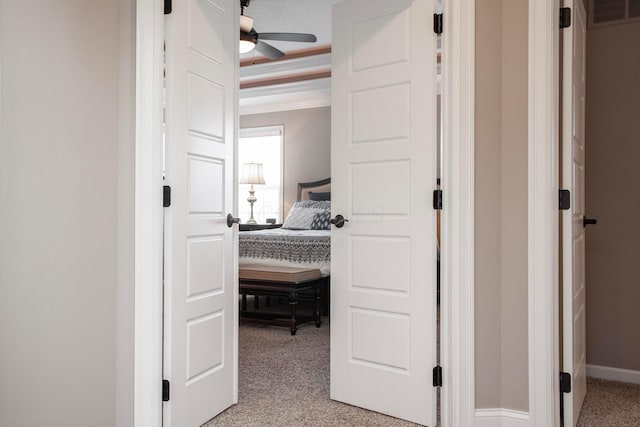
231	220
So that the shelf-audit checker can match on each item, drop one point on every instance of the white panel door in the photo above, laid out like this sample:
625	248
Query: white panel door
383	164
573	231
201	80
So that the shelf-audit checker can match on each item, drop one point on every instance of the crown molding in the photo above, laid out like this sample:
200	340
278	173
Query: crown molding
290	96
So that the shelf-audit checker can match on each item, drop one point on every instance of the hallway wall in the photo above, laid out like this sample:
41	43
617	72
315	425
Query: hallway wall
65	157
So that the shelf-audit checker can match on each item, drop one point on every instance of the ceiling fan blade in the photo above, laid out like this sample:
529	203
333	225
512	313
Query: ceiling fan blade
269	51
288	37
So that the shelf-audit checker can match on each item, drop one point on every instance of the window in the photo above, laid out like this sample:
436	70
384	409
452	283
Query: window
261	145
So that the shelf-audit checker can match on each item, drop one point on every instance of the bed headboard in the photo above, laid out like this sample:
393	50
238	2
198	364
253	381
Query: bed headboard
316	186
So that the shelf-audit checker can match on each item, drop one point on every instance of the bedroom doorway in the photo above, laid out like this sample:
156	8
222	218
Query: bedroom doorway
328	116
457	322
387	227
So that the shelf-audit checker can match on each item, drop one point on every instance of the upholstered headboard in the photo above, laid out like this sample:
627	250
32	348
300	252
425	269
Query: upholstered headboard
322	186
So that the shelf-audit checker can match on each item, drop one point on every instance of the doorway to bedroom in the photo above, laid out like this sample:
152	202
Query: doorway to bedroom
378	144
303	109
290	366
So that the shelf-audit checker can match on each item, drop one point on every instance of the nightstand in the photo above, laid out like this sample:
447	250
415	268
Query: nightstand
253	227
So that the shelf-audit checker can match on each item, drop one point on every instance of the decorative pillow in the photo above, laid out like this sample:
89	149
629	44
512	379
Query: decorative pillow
320	196
322	204
321	221
301	215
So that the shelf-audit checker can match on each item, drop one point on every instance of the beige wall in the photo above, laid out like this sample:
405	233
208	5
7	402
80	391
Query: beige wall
514	207
307	145
61	145
501	205
612	178
488	198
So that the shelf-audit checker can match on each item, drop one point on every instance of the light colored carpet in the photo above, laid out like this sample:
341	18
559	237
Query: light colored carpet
610	403
284	381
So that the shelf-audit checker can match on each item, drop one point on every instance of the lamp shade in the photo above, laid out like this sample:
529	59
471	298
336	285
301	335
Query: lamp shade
252	173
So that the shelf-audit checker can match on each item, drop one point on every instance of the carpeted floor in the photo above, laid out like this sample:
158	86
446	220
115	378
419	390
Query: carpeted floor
610	404
284	381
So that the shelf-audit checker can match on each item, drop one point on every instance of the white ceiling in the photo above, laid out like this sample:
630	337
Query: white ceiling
292	16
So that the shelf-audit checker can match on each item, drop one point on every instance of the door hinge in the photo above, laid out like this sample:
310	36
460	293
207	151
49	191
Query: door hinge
437	376
565	382
565	17
166	386
437	23
166	196
437	199
565	200
167	7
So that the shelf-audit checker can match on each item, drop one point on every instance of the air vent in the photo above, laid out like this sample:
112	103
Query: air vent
634	8
608	11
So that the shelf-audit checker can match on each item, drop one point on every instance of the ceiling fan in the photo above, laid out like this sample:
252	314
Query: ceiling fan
250	38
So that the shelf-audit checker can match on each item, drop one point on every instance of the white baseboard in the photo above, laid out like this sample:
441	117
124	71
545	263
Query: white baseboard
500	417
613	374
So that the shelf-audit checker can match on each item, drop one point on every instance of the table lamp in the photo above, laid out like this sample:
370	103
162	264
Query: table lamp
252	174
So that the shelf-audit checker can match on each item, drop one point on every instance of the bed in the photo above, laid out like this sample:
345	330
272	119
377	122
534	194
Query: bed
304	240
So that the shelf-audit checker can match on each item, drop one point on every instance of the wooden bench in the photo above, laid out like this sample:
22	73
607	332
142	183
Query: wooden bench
296	284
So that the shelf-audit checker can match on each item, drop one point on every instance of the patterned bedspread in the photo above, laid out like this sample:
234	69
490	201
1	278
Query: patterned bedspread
299	248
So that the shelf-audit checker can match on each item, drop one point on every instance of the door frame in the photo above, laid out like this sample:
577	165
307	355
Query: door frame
457	249
457	301
543	213
148	222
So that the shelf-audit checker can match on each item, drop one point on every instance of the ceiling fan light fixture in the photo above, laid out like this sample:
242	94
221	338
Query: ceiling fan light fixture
247	43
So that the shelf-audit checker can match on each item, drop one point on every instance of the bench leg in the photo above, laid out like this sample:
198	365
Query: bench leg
244	301
256	302
317	307
293	302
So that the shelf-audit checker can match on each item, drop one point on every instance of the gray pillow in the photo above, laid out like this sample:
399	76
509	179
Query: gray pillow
302	214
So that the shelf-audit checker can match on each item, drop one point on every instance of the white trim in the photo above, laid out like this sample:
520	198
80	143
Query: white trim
543	213
501	417
289	96
613	374
260	131
458	183
148	214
